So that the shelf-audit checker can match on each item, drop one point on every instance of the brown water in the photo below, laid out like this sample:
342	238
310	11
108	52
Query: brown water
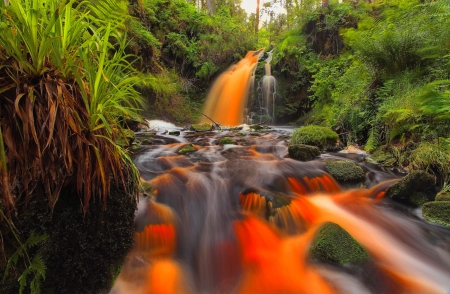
240	220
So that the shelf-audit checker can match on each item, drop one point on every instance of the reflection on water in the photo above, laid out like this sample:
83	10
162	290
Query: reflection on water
240	219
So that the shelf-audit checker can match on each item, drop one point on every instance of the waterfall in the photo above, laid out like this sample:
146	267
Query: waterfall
267	91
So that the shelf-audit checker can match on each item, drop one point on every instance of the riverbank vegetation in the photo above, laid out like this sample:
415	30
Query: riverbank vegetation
74	75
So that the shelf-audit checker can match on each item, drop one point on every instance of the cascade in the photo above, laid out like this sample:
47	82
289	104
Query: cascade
240	219
227	99
267	91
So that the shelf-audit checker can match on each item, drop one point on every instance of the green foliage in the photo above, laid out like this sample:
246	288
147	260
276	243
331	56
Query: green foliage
34	267
314	135
432	157
66	97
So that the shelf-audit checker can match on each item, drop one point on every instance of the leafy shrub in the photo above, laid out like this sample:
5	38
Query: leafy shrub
315	136
431	157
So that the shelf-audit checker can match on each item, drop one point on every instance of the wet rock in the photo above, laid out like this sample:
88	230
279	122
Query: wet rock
259	127
174	133
419	198
437	212
226	140
417	181
321	137
303	152
345	171
146	142
201	127
187	149
334	245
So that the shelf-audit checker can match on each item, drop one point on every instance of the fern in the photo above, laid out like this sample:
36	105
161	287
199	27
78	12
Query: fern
36	267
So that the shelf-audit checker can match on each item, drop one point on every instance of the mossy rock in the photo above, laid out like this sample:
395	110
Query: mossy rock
259	127
437	212
418	198
187	149
416	181
321	137
443	196
303	152
383	157
201	127
226	140
175	133
334	245
345	171
255	134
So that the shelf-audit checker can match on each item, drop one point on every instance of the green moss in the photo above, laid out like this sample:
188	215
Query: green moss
201	127
334	245
437	212
255	134
443	196
346	171
226	140
303	152
416	181
321	137
187	149
259	128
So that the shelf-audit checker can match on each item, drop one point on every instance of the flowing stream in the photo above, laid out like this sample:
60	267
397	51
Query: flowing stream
241	219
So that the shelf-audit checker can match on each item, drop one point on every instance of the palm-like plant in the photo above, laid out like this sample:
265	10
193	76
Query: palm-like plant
65	87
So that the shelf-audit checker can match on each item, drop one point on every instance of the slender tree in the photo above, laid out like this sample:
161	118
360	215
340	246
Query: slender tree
257	16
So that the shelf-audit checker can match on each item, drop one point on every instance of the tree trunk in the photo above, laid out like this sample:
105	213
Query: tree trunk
257	16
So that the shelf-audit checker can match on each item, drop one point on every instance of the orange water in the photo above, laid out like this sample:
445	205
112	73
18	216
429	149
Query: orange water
227	98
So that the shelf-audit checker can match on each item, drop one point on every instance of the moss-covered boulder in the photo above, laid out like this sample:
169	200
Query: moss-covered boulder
321	137
334	245
187	149
201	127
226	140
437	212
303	152
416	181
443	196
345	171
418	198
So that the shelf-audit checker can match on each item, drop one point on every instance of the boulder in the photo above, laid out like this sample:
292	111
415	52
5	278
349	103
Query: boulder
201	127
321	137
416	181
345	171
443	196
303	152
226	140
187	149
437	212
335	246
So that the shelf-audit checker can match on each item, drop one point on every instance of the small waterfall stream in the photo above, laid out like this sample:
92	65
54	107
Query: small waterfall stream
240	219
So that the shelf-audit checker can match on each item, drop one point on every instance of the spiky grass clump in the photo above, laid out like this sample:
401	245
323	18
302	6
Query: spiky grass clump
63	99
